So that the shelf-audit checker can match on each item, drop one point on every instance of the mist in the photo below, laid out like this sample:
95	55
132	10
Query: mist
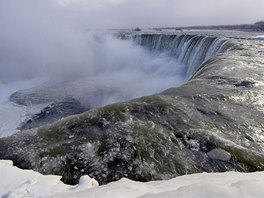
49	40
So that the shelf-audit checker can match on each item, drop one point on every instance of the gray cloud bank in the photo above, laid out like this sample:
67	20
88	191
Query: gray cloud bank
162	13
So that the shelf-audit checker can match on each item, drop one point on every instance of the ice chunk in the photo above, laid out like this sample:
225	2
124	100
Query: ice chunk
87	182
260	37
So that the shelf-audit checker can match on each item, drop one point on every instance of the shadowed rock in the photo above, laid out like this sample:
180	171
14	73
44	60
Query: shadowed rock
54	112
219	154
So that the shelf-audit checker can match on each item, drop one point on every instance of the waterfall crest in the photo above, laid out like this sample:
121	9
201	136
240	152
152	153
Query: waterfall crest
189	50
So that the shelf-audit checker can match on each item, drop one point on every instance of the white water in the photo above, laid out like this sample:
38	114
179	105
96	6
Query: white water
188	50
52	45
57	50
111	70
119	71
55	46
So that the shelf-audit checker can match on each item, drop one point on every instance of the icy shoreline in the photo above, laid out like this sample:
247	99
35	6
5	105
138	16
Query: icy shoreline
27	183
12	115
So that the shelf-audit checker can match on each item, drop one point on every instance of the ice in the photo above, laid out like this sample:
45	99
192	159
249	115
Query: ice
11	115
260	37
27	183
6	89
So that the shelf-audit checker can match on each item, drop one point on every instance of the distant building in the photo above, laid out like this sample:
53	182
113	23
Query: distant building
137	29
259	26
259	23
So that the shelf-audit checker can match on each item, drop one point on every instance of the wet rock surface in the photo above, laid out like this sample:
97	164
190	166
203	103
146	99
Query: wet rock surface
163	135
53	112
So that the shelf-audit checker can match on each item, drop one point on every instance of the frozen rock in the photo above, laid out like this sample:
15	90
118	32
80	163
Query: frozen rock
219	154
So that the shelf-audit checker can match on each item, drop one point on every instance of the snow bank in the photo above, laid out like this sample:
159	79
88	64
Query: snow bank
27	183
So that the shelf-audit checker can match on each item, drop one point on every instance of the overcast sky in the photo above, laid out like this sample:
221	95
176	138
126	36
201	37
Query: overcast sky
160	13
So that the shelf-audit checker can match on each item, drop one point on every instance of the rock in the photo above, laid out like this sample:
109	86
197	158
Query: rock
53	112
219	154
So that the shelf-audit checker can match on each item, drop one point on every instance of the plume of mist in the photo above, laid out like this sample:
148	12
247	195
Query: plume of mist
43	39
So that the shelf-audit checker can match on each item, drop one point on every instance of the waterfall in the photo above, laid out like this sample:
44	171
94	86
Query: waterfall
189	50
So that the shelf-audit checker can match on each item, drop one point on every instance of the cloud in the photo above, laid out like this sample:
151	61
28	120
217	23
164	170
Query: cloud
162	13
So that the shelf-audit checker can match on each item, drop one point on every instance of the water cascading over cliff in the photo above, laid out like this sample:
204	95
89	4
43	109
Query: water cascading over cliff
169	61
189	50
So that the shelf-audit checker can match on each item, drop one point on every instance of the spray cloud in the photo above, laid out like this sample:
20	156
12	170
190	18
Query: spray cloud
49	40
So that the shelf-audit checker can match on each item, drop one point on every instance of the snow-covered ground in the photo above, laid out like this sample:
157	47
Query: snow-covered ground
16	183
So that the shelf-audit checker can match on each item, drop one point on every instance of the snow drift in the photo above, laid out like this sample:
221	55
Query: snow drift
27	183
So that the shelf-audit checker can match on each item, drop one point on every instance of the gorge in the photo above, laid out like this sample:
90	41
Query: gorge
213	122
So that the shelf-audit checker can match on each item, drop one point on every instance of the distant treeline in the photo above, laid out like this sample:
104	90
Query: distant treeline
256	27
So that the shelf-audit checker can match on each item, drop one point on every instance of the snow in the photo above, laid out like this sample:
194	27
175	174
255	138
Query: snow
27	183
260	37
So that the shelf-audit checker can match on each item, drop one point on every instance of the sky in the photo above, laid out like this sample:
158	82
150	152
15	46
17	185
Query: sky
163	13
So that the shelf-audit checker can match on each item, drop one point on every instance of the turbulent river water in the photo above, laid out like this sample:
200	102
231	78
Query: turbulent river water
212	123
